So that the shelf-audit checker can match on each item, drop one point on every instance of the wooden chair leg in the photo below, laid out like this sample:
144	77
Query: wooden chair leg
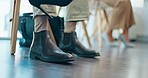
100	28
50	29
94	31
51	34
86	33
105	16
15	21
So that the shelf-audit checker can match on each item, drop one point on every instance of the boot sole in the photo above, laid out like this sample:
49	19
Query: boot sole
88	56
34	56
85	56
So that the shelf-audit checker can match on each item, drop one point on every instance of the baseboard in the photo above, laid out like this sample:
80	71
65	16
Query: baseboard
142	38
7	38
131	40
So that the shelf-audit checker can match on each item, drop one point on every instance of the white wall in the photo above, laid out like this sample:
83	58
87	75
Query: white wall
141	26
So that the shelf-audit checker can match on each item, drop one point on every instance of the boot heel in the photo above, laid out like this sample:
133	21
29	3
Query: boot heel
32	56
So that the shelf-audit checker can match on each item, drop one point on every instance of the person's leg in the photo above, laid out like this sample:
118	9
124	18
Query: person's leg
126	34
71	44
108	38
70	27
41	23
124	37
109	34
42	46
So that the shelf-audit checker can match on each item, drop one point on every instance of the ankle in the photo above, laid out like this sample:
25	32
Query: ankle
111	39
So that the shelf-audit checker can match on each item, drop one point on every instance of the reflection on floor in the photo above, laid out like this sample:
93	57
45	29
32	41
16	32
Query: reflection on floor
114	62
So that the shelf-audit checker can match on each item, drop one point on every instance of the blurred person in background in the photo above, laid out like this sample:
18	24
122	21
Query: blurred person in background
121	17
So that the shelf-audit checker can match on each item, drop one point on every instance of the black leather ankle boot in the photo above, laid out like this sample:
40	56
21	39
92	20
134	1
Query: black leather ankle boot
44	49
71	44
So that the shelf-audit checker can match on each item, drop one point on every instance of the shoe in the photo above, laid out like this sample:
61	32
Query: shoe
106	40
124	43
71	44
44	49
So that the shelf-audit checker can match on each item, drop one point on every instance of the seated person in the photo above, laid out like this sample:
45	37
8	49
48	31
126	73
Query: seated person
43	47
122	17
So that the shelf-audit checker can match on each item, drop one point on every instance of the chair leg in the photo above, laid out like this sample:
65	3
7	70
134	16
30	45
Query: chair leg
51	34
15	21
104	17
100	27
86	33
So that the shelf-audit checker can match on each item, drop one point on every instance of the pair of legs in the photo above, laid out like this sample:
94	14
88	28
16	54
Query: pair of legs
44	49
125	33
42	23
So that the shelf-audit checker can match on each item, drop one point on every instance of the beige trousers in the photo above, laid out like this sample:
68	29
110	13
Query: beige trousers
42	23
